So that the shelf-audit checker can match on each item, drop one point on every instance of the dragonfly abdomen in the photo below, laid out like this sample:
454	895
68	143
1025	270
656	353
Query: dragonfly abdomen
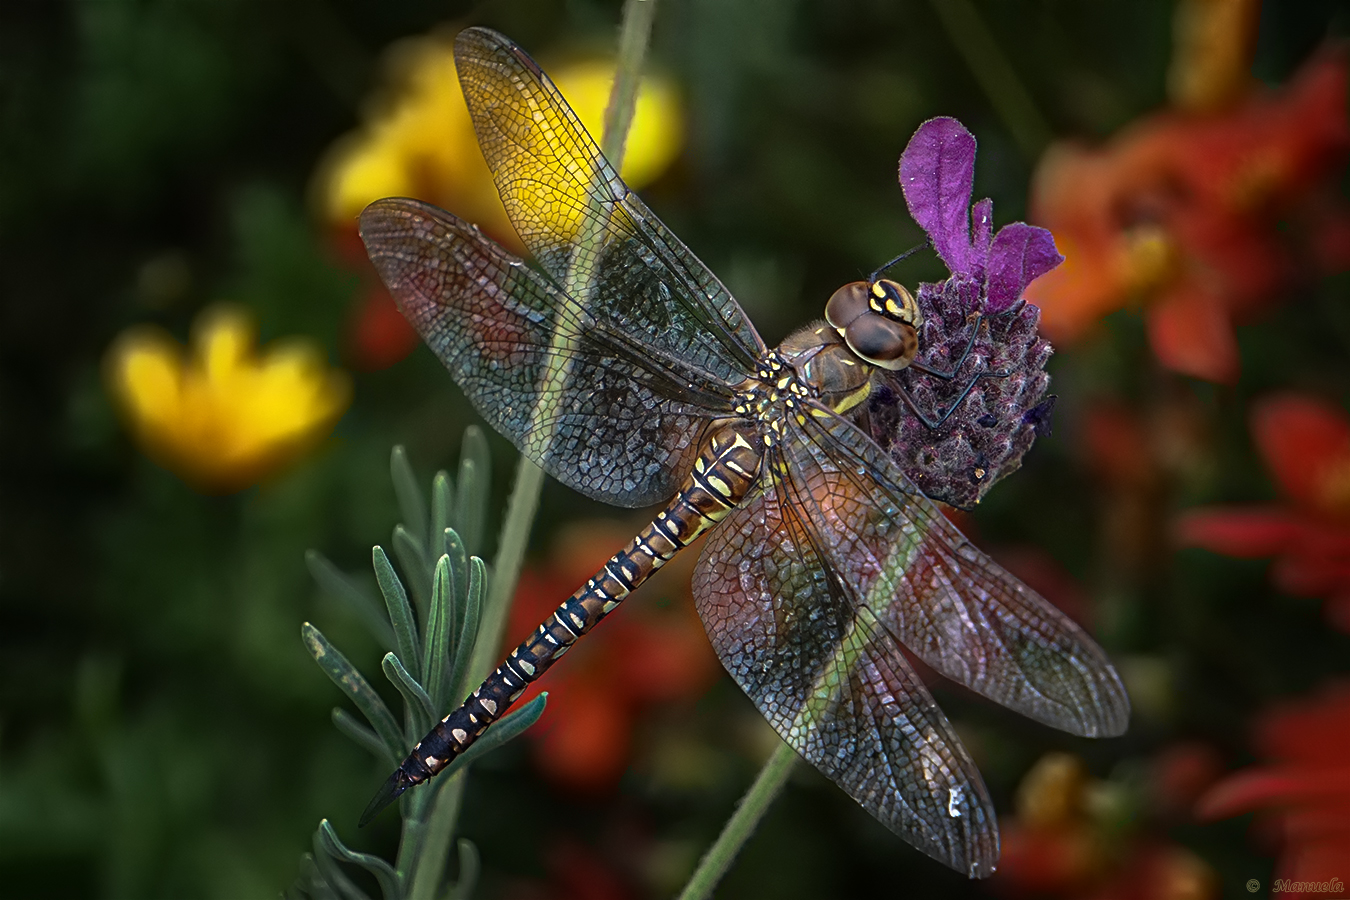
722	475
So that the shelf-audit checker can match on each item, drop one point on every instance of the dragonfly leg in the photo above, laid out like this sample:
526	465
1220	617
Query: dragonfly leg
961	361
934	424
930	422
970	343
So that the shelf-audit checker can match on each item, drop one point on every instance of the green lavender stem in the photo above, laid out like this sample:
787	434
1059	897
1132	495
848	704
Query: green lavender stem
741	825
434	834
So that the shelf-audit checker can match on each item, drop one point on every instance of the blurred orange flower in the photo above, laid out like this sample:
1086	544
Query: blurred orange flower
1181	212
1306	445
1066	839
641	655
223	417
418	141
1303	794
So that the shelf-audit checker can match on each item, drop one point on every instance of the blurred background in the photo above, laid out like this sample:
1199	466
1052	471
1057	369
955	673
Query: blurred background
200	379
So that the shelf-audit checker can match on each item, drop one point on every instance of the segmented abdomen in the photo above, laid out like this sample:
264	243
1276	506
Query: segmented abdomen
721	476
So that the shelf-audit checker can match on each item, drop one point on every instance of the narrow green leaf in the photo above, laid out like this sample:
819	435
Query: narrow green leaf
442	509
332	872
354	685
400	613
468	629
416	566
436	658
509	727
419	704
459	563
344	588
441	804
363	734
469	868
384	873
459	601
475	485
459	596
315	888
411	504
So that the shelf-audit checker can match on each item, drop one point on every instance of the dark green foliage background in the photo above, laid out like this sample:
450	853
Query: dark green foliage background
163	732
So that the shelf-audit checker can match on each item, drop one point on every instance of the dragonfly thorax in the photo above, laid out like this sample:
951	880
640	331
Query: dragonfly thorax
776	390
836	376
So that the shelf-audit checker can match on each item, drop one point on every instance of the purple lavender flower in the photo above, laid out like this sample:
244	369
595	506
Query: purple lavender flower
967	443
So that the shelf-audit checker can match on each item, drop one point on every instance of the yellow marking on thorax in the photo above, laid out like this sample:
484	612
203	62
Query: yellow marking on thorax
854	398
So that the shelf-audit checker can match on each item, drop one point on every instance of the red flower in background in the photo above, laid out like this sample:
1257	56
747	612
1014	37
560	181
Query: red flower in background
642	655
1304	794
1182	211
1306	445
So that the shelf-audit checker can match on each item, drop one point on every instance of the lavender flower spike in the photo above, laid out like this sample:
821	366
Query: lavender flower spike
969	440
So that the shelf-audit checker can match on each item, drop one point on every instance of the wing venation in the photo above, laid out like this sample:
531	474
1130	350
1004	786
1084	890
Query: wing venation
944	599
616	420
832	681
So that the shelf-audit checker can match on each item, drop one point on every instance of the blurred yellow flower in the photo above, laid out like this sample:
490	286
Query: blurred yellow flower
222	416
420	142
1212	46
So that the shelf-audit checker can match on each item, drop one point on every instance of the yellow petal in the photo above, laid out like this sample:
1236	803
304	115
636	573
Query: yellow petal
657	132
420	142
1213	42
223	417
363	168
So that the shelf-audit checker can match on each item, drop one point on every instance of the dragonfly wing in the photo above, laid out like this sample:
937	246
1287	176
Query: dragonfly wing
582	222
831	679
618	421
945	600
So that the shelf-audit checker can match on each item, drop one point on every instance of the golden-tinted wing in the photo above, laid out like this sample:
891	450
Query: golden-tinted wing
618	421
584	225
946	601
831	679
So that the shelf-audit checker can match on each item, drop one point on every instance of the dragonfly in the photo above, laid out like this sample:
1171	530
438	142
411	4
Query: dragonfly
625	369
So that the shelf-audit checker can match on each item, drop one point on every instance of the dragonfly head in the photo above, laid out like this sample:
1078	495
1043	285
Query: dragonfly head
879	320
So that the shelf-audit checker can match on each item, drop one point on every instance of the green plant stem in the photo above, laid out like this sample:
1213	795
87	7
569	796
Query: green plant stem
429	866
634	35
434	829
520	510
995	75
741	825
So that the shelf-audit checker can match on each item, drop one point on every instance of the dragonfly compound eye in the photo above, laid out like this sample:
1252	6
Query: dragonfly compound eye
895	301
881	341
846	304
